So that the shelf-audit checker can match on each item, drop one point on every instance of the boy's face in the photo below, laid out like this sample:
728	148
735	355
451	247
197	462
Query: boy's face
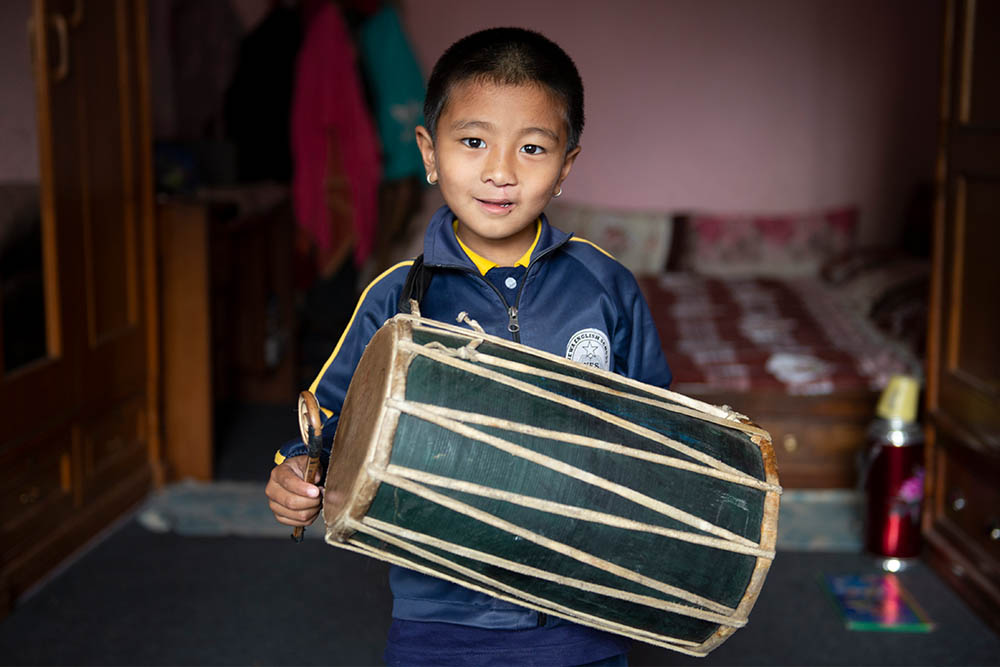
499	157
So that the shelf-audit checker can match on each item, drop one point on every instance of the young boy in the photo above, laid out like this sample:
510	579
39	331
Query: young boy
504	113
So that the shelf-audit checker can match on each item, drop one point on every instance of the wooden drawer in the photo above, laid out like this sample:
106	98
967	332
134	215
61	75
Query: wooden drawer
113	447
969	504
815	453
36	490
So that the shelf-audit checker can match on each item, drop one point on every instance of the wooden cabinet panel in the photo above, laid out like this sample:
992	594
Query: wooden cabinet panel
113	446
100	55
54	375
963	524
79	439
36	490
976	353
970	373
186	335
971	507
980	95
962	521
105	55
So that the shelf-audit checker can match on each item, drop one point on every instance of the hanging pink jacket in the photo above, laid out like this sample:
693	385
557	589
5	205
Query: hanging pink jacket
328	99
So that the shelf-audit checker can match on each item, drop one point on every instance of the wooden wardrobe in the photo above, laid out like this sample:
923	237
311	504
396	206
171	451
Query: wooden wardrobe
78	441
962	517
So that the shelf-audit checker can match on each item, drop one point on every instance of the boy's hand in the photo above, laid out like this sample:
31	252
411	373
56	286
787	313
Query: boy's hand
294	501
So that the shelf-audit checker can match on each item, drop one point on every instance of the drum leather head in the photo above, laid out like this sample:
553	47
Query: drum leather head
364	433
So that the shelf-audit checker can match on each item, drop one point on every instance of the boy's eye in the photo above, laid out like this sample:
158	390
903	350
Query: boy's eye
532	149
472	142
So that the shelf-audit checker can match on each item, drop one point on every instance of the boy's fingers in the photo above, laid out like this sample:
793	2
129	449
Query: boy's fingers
289	476
293	501
293	518
288	494
296	509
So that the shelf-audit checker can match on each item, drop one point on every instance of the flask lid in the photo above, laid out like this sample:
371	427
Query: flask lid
899	399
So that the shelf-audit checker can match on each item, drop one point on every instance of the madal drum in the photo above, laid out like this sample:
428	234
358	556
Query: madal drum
565	489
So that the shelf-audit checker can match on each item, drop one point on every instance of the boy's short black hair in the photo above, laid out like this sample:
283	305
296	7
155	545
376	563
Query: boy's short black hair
507	56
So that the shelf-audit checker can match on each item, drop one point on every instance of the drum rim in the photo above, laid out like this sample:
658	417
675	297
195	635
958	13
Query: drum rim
365	408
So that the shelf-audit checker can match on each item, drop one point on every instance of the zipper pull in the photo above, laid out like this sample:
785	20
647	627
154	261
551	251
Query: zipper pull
512	325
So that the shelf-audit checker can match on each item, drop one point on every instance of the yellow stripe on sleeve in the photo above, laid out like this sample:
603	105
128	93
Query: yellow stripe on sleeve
278	458
591	243
361	300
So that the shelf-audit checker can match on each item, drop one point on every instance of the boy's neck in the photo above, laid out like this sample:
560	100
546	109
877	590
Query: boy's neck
500	254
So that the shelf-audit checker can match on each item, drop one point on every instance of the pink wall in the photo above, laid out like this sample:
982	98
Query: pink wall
18	129
739	106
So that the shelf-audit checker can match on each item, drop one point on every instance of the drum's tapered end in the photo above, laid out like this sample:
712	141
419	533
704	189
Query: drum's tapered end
364	432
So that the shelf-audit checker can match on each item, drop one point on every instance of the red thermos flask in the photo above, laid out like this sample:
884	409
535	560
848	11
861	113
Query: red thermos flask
894	475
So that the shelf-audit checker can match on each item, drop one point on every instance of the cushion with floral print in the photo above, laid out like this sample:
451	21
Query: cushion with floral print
638	239
782	245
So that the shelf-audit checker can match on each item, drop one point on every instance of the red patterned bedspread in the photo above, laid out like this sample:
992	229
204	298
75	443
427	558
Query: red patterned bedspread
788	336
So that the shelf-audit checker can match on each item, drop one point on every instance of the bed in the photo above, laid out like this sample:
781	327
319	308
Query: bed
781	318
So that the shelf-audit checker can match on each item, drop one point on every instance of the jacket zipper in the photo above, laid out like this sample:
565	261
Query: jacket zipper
513	324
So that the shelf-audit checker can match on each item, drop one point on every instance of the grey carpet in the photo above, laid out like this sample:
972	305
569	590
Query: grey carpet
146	598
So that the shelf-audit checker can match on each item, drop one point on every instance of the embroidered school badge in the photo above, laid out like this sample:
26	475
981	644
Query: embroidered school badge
590	347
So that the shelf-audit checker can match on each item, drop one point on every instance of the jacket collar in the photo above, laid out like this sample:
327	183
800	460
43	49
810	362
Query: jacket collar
442	248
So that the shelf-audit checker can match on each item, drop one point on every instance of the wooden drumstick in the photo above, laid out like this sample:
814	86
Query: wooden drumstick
311	427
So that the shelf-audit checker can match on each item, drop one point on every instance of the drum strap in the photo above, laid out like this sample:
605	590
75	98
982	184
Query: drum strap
418	279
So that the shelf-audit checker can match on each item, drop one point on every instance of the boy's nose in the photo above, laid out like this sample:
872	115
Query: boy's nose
500	169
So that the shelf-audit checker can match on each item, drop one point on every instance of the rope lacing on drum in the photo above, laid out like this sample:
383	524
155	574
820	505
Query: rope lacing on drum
463	318
467	352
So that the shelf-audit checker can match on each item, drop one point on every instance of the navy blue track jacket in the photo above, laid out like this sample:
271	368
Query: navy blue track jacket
572	299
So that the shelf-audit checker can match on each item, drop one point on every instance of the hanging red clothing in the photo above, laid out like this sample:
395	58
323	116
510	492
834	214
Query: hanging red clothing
334	146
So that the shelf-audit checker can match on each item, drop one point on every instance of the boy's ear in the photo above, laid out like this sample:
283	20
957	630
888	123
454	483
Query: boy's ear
567	166
426	146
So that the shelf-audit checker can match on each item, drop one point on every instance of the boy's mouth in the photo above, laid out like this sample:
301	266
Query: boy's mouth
496	204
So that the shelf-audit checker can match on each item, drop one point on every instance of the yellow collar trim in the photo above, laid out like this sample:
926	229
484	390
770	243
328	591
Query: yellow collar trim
484	264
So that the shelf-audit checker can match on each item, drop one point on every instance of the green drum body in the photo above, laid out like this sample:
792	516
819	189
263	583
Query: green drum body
562	488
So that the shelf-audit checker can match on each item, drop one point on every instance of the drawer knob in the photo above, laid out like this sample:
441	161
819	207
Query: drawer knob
994	532
790	442
958	502
30	496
